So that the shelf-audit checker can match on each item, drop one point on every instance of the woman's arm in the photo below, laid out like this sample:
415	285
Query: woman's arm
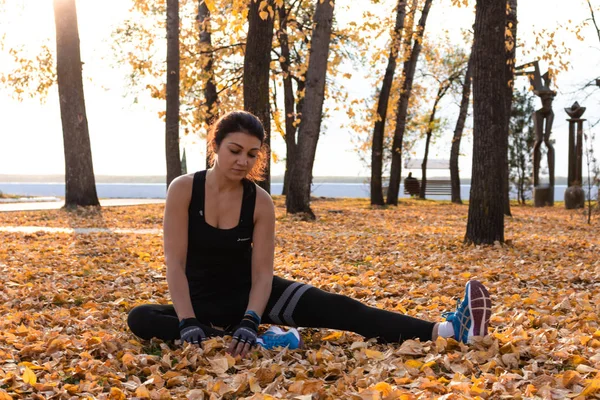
175	233
263	251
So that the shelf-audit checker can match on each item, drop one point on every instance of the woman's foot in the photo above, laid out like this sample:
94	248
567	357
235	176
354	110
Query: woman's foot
472	316
277	337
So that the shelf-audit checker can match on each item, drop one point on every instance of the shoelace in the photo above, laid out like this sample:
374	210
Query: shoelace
447	313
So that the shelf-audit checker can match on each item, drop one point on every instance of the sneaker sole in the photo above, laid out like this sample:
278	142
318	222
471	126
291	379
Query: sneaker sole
480	306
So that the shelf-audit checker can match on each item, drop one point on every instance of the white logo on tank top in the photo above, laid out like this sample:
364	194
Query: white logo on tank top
201	213
242	239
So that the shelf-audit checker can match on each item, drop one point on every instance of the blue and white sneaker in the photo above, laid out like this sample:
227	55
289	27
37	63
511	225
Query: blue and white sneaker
472	315
277	337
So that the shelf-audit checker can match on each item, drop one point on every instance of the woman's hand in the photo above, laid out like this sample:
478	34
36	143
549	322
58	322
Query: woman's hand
190	331
244	336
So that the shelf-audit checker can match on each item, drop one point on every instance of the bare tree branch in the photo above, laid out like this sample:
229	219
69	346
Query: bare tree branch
594	18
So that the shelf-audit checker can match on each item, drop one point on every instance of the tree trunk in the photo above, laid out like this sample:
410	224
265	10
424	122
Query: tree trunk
183	163
382	106
288	96
298	198
172	112
80	185
522	150
289	162
458	130
511	50
402	110
485	223
423	186
206	55
257	66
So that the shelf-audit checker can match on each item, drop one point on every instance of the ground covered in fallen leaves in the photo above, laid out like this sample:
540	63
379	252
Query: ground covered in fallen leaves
64	300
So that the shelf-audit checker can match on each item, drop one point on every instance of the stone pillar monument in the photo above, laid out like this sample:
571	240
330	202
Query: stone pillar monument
575	195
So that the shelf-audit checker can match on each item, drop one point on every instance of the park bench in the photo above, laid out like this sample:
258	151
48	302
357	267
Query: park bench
436	187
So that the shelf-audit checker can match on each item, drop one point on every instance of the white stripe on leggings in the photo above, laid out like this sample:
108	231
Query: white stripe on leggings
289	310
274	314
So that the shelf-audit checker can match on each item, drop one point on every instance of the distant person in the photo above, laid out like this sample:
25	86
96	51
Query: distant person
411	185
219	243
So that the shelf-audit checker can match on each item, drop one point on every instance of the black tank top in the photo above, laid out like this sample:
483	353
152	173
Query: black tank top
218	265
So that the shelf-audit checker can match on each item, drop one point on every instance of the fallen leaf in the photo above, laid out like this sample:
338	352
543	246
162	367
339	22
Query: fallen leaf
29	376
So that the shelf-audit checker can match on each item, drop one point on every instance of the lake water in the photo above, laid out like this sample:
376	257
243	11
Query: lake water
158	190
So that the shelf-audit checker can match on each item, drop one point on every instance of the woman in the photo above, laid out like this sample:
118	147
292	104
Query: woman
219	241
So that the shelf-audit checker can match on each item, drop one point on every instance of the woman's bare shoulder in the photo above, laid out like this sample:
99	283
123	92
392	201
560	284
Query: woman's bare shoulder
264	202
181	187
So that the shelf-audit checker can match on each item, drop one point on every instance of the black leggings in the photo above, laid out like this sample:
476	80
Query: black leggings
295	304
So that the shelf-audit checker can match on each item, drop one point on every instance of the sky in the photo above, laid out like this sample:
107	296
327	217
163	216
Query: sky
128	139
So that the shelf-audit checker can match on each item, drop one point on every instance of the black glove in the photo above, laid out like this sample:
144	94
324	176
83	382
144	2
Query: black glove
191	331
247	331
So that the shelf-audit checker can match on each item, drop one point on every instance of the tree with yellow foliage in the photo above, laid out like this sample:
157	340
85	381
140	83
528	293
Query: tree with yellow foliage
298	197
446	65
408	73
257	68
382	106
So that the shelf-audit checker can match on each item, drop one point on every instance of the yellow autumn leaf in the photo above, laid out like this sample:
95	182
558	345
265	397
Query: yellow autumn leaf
374	354
577	359
570	377
384	388
476	389
116	394
427	365
29	376
333	336
128	359
592	387
142	392
264	15
254	385
72	389
210	4
29	365
4	395
413	364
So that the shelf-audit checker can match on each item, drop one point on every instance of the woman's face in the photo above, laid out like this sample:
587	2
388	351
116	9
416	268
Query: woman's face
237	154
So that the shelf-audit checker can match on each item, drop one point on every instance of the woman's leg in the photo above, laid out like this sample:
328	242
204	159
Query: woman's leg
160	321
154	321
296	304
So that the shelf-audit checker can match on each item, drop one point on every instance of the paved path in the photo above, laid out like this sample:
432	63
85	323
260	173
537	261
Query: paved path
33	229
54	205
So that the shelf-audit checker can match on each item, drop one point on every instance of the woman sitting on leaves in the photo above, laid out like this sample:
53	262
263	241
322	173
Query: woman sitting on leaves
219	242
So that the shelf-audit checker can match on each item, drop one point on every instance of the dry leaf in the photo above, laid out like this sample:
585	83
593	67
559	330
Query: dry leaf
142	392
67	295
29	376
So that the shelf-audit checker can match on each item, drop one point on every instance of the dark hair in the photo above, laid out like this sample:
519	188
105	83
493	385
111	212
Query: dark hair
239	121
